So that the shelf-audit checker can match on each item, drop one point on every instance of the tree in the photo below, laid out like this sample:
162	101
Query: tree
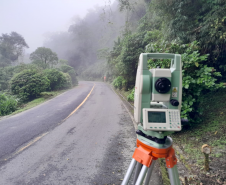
44	57
11	47
201	20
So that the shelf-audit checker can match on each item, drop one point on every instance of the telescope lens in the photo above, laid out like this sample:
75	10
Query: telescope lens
162	85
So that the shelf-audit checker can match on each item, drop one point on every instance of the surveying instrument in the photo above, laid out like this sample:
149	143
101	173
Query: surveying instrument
157	106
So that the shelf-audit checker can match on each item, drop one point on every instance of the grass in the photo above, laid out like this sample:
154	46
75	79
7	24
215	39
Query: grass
164	172
211	131
124	93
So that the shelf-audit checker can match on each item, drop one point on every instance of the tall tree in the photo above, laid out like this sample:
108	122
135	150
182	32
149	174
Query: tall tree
11	47
44	57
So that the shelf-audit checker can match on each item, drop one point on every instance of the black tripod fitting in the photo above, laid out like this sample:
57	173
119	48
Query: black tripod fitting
155	139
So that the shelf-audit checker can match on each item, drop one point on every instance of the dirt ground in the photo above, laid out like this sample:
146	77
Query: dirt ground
191	160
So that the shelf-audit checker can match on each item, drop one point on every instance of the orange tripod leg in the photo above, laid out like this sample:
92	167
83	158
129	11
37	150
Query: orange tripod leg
146	155
171	159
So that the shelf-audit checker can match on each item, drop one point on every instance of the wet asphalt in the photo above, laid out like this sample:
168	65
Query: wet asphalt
93	146
20	129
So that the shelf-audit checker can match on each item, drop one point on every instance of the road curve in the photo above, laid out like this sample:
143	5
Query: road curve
90	147
20	129
93	146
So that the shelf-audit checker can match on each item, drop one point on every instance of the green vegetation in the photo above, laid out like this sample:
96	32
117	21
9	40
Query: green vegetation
8	104
57	79
11	48
197	31
28	82
210	131
119	82
194	29
164	172
68	83
130	97
198	78
44	57
163	30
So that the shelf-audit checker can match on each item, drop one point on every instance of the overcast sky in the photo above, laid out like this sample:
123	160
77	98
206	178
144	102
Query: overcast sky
34	18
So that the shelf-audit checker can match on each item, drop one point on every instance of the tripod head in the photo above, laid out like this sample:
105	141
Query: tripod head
158	96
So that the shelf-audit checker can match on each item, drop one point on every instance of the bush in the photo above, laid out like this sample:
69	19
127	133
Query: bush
47	94
70	70
5	76
28	84
66	68
58	80
119	82
198	78
8	104
73	75
67	83
21	67
130	97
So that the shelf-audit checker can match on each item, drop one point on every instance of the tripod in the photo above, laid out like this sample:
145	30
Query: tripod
146	154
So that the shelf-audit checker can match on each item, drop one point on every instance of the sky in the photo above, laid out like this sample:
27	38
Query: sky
33	19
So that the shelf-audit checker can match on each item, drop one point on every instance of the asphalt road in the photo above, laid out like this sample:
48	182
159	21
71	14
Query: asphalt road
93	146
22	128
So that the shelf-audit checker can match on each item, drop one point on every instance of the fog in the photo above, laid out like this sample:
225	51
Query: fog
37	19
89	40
79	32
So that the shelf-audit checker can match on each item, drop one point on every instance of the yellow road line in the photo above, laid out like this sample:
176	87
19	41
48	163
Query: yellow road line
39	137
29	144
81	103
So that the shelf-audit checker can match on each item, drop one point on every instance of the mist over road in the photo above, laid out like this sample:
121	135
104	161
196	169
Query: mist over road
93	146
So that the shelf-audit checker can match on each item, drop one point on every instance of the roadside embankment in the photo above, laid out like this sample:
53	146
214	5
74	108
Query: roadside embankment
210	131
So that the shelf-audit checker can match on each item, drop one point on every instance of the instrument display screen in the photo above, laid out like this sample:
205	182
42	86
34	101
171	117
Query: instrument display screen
156	117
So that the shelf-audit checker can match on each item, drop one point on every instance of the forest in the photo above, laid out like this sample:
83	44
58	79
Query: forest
108	41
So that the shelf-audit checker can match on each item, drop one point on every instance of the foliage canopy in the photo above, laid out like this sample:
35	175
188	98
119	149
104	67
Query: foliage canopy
44	57
11	47
28	84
